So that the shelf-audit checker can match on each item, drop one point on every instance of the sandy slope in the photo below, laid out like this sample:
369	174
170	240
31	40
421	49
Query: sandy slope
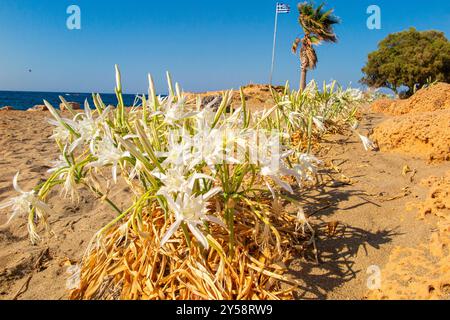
433	98
420	125
371	214
25	146
368	202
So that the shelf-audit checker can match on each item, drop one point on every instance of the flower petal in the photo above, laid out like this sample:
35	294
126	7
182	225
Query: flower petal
199	235
282	184
174	206
270	189
159	175
114	172
211	193
16	184
6	204
174	227
75	144
215	220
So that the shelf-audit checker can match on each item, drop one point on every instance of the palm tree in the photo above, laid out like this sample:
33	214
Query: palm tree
317	26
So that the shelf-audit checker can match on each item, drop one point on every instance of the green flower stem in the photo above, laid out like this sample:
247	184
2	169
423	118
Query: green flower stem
101	195
229	217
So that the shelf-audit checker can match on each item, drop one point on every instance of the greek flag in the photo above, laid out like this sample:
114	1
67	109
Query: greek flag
283	8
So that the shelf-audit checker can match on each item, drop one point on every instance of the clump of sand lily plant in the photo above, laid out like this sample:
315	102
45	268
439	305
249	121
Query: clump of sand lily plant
208	189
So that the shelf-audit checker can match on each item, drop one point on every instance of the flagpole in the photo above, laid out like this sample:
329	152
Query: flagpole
274	43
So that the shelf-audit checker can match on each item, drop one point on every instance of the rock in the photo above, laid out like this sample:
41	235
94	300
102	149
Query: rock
39	107
73	105
6	108
215	100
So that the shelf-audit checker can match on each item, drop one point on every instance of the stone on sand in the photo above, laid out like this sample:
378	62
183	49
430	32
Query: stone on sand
73	105
39	107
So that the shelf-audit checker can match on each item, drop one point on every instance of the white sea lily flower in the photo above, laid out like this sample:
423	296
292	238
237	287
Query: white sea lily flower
256	115
68	175
22	204
174	180
178	151
236	119
367	143
88	128
60	132
137	169
318	121
174	112
58	164
310	89
70	185
107	154
301	220
193	211
208	147
234	143
306	167
275	174
218	146
161	99
205	118
88	132
275	169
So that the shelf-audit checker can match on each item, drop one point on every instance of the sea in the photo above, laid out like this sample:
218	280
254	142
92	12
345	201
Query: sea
23	100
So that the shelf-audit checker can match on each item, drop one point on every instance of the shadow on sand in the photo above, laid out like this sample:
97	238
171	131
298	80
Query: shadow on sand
337	250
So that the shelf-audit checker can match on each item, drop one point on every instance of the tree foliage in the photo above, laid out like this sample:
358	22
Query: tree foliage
317	25
409	58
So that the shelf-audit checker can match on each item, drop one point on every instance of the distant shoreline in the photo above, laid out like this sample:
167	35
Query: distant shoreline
24	100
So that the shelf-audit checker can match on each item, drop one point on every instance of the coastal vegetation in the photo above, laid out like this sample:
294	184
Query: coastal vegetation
408	60
205	219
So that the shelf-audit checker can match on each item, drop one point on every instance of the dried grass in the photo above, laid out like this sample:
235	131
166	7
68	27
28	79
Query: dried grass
130	264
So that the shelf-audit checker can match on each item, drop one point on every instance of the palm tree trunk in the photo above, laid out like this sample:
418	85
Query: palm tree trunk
303	79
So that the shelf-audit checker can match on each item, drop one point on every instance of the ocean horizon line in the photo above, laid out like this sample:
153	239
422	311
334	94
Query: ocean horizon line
24	100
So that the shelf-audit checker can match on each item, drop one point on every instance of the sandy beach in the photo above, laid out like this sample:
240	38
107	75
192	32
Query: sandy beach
360	213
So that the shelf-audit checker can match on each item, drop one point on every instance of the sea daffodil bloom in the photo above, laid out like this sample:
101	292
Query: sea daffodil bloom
22	204
173	113
107	154
178	150
60	132
193	211
67	173
306	167
174	180
88	128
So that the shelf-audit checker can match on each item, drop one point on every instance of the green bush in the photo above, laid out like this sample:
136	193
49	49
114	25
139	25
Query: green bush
408	59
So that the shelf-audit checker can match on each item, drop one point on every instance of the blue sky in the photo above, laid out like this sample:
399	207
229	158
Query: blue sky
205	44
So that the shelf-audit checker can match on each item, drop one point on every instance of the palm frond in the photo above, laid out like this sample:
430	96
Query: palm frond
295	45
317	24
